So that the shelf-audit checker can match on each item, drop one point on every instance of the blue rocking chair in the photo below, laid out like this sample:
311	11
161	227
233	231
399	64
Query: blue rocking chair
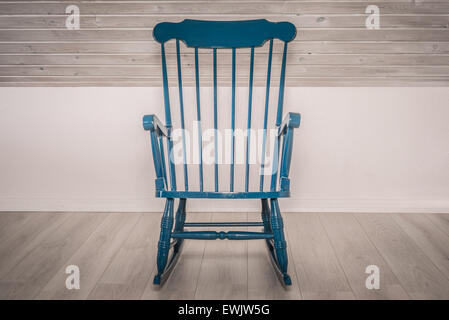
226	35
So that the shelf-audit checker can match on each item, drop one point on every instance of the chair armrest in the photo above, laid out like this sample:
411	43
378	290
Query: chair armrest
291	120
151	122
156	128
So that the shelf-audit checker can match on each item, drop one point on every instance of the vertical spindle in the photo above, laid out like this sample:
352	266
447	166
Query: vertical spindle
198	114
215	120
232	122
248	130
168	119
265	118
181	107
279	120
281	87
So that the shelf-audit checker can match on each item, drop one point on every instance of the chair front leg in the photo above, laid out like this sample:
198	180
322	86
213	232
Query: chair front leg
164	239
280	245
266	216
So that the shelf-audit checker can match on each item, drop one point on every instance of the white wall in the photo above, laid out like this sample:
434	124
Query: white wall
358	149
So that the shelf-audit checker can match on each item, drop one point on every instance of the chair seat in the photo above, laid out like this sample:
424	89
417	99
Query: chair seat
223	195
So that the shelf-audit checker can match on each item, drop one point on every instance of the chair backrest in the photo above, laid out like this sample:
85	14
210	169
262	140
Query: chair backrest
216	35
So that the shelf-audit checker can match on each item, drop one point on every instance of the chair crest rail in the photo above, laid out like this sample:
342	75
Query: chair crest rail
224	34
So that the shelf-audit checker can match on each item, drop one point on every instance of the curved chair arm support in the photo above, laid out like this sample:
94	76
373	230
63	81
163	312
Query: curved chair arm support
157	132
151	122
291	121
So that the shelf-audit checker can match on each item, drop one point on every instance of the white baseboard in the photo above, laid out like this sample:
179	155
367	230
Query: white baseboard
367	205
151	204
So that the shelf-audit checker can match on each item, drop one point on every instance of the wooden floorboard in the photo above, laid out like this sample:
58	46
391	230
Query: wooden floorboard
262	280
130	270
427	236
319	273
33	272
328	255
224	269
10	222
414	269
183	281
92	258
441	220
24	239
355	253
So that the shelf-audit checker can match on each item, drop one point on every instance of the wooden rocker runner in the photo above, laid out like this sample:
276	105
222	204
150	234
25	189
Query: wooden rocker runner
222	35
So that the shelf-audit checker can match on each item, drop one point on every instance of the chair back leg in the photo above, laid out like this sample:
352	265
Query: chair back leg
164	239
180	219
266	215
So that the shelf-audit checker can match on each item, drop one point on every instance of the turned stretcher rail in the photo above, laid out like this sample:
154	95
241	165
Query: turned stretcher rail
230	235
223	224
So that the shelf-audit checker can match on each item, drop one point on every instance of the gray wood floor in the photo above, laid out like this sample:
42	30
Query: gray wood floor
116	254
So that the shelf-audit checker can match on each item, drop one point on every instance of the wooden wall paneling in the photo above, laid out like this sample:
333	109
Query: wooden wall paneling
114	46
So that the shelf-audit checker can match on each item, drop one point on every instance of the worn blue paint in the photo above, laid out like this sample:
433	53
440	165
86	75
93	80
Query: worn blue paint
216	35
